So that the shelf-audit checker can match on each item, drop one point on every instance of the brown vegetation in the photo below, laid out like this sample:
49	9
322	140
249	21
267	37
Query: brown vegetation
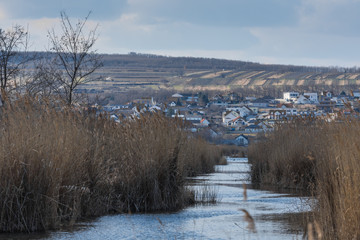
233	150
58	165
323	158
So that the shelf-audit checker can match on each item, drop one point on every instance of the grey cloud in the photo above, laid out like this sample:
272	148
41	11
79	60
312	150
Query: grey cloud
331	17
186	37
245	13
102	9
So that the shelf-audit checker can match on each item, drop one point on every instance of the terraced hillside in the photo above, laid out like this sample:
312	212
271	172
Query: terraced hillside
123	72
236	78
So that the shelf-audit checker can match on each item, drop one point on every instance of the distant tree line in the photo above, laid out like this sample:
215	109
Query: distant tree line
192	63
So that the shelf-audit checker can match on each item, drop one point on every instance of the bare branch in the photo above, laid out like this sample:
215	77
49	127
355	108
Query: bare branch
74	52
13	45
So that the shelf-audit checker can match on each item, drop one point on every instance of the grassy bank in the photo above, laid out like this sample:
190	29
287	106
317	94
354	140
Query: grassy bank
322	158
58	165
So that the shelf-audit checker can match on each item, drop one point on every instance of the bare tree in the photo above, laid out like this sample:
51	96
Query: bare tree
44	79
13	44
75	55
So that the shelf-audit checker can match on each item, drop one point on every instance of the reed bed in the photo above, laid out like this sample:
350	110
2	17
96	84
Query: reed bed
233	150
59	165
324	159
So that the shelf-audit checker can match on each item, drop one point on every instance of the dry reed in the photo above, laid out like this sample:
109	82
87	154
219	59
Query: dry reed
244	192
59	165
250	220
323	158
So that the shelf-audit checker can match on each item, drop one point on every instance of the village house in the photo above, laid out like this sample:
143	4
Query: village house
313	97
229	116
242	140
356	94
253	128
236	122
194	119
242	111
204	122
266	126
177	95
325	96
290	96
260	103
255	110
277	114
233	97
220	103
302	100
326	103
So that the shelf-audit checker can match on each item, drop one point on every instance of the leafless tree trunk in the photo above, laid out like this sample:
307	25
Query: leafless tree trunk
74	54
13	47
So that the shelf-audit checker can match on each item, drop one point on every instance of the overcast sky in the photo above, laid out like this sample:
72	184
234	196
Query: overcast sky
306	32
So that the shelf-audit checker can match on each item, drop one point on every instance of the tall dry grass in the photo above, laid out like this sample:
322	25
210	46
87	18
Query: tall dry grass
58	165
285	157
323	158
233	150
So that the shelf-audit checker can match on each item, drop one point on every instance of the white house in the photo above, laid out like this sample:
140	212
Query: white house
238	121
193	117
229	116
245	111
313	97
277	114
302	100
356	94
289	110
219	103
290	96
242	111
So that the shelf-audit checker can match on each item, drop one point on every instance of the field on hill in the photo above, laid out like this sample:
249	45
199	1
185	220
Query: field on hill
140	71
124	73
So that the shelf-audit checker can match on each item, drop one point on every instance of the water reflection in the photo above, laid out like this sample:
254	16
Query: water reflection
271	213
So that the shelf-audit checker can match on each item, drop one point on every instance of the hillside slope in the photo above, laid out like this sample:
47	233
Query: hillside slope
140	70
134	71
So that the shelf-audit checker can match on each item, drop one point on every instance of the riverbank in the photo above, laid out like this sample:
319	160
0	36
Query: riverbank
59	165
276	215
322	158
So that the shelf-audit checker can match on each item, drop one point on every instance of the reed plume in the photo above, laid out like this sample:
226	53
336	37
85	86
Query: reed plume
249	219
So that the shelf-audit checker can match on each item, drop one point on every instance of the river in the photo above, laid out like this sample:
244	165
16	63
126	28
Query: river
275	215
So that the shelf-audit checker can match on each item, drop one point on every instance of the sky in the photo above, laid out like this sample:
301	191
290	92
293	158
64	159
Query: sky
297	32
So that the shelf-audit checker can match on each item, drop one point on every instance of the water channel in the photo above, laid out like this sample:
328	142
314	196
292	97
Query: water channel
270	211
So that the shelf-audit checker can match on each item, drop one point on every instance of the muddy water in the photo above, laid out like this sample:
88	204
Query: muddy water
275	215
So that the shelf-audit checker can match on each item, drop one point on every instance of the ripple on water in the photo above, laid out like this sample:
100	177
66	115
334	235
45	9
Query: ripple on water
218	221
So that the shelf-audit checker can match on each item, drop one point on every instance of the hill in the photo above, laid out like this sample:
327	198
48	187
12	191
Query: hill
181	73
142	71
